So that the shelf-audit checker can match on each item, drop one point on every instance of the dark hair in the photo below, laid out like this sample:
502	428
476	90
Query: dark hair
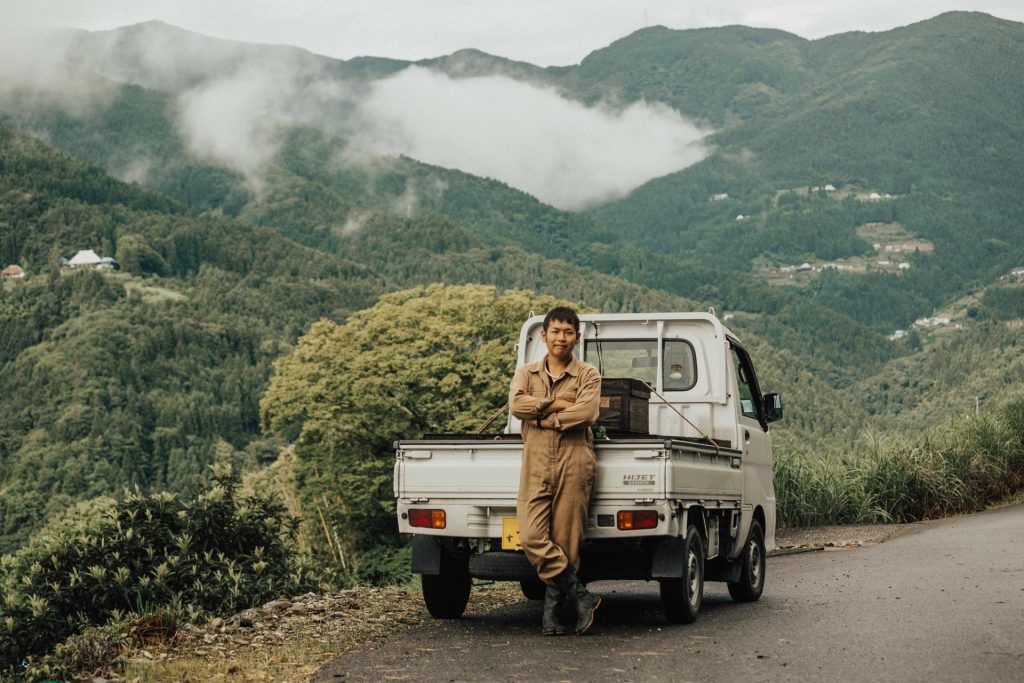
562	314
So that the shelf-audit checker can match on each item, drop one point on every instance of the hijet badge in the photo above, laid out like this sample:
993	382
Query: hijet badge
639	480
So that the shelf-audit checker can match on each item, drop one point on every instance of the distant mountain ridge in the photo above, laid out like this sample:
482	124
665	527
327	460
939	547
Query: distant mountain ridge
932	107
868	112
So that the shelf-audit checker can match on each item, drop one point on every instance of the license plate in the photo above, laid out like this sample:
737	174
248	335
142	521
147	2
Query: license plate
510	534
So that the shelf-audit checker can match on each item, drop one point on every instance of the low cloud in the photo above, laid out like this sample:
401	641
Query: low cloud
236	119
234	104
136	170
354	223
36	74
561	151
566	154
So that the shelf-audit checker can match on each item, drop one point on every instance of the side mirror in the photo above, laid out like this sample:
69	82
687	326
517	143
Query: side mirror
772	407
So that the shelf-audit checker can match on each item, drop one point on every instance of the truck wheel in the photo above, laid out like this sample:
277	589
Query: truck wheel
752	565
533	589
681	598
447	592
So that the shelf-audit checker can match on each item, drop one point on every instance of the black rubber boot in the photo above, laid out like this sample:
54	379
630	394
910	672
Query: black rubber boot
553	601
586	603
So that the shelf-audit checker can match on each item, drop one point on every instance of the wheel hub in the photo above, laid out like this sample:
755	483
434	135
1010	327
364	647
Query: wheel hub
693	582
755	564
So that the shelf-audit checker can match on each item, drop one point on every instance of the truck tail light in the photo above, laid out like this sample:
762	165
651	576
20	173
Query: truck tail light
430	519
630	520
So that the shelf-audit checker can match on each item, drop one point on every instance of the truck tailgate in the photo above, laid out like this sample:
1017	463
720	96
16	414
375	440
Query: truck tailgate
490	471
475	471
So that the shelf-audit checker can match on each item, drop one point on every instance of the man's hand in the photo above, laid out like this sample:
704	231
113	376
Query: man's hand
547	422
558	405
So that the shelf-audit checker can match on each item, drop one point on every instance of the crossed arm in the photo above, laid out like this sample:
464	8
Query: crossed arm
558	413
550	419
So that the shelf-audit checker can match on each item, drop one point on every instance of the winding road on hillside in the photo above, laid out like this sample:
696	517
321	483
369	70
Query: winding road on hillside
941	601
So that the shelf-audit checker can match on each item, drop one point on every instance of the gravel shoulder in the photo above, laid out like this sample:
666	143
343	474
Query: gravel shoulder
836	536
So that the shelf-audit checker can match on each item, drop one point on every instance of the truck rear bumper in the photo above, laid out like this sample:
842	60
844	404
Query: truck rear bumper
476	520
598	561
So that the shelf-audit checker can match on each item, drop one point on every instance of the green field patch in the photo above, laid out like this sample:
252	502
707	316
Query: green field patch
151	293
884	232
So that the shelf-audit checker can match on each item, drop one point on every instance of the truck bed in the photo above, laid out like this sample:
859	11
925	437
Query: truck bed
475	479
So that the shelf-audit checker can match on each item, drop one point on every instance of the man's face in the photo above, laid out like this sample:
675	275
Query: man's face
560	338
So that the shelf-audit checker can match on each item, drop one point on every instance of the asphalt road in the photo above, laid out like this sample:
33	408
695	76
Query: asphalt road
941	601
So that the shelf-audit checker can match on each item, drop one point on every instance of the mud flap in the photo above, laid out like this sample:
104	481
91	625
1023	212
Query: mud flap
668	559
426	555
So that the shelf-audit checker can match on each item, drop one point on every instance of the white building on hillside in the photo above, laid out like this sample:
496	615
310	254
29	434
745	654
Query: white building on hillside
86	257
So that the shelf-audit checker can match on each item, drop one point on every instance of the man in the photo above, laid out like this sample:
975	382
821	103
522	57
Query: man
557	399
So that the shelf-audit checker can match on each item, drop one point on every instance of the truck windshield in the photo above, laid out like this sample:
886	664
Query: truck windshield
638	358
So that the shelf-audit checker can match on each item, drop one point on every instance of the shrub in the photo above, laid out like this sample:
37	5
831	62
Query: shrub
216	554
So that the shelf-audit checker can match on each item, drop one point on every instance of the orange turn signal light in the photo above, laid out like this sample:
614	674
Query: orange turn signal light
430	519
630	520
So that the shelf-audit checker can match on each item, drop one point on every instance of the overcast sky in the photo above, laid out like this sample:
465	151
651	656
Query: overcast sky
543	32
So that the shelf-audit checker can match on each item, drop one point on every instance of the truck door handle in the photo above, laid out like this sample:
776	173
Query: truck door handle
416	455
646	455
746	435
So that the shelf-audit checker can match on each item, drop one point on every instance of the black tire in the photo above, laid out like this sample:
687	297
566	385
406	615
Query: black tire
752	566
533	589
446	594
681	598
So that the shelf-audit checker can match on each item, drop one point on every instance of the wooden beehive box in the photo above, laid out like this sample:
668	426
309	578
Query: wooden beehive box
624	406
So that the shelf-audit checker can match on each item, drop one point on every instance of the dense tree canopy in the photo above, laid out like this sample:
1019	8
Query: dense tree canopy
429	359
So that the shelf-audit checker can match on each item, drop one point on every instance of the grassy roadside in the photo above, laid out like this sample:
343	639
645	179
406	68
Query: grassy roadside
962	467
1015	499
291	640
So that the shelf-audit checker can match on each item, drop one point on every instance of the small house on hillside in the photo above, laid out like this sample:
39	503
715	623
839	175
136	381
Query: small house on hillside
12	271
85	257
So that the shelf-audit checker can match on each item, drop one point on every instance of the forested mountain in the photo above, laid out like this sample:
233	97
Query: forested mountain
236	186
128	378
927	117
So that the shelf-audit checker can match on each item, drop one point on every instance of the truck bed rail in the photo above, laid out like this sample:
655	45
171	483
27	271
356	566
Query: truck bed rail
652	440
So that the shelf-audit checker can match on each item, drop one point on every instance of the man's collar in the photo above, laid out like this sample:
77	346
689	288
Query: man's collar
573	368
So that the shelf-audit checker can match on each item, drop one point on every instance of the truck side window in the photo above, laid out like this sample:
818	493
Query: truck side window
679	366
638	358
624	358
747	405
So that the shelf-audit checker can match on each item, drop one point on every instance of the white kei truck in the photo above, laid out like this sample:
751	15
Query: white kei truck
683	495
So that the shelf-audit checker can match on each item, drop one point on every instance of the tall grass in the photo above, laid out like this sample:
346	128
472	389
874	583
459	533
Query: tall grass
957	468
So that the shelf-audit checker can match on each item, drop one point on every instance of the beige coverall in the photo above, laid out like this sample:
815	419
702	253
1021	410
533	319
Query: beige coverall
558	464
